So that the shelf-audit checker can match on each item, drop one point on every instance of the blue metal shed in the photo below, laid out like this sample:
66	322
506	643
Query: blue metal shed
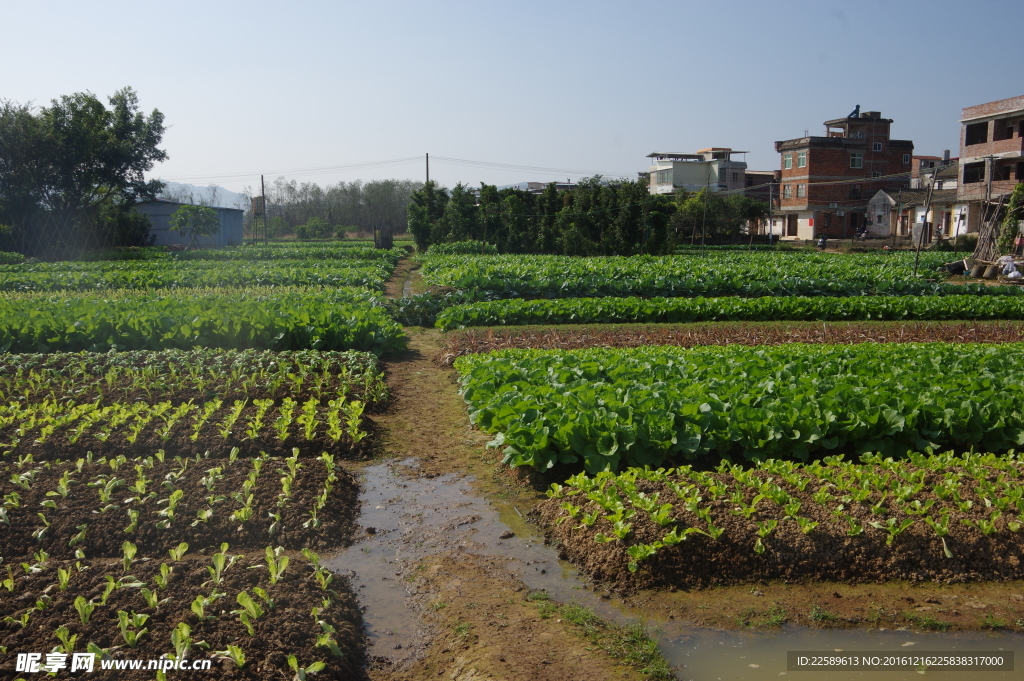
161	210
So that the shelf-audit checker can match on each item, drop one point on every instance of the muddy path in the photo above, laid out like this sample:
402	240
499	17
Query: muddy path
441	593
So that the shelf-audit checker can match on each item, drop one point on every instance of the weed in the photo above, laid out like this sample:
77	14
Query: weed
774	617
631	643
462	629
993	622
928	622
822	616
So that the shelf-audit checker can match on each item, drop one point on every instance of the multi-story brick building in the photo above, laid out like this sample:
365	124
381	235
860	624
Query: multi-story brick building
991	155
827	181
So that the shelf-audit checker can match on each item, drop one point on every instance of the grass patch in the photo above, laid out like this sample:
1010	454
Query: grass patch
930	623
630	644
462	630
752	619
822	616
992	622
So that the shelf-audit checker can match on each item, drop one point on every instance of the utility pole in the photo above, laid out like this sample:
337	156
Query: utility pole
924	223
899	216
428	168
771	221
263	193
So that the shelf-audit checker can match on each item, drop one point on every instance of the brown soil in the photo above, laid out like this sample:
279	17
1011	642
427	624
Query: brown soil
458	343
284	629
486	627
105	530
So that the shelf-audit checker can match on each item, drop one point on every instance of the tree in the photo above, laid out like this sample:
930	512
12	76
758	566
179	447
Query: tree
71	172
427	207
194	222
1011	220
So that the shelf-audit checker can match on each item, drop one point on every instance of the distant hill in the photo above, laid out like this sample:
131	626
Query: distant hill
211	195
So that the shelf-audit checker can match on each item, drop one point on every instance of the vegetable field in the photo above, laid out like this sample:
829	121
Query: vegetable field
768	308
930	517
274	318
712	275
605	409
260	617
171	437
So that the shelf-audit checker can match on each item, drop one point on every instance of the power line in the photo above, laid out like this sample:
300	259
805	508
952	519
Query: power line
371	165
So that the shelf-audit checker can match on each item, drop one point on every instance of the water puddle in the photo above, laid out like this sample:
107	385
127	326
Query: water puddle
407	518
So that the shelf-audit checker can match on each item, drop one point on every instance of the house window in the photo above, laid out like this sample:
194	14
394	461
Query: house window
877	146
855	191
787	161
856	160
735	177
664	177
787	191
906	158
876	173
974	172
801	159
827	220
801	191
976	133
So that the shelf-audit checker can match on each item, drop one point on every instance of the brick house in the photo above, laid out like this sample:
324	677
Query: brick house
826	182
991	154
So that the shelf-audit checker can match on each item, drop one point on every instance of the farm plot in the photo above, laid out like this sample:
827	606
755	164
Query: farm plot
61	406
930	517
605	409
767	308
571	337
169	274
92	505
334	250
711	275
181	375
275	318
251	616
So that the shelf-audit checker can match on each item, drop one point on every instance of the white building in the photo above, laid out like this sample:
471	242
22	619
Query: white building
711	168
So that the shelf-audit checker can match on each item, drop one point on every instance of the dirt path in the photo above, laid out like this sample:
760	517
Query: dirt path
480	619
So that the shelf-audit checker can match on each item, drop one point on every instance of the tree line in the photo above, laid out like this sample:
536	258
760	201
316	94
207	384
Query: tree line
334	209
592	218
71	172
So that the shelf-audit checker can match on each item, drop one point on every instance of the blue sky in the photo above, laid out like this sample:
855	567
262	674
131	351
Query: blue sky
585	86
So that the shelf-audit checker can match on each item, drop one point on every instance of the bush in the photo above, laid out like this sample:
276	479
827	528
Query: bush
302	232
11	258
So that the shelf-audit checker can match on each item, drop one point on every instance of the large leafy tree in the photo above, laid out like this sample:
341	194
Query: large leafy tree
77	165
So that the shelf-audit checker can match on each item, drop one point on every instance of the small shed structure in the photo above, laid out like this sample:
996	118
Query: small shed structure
161	210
